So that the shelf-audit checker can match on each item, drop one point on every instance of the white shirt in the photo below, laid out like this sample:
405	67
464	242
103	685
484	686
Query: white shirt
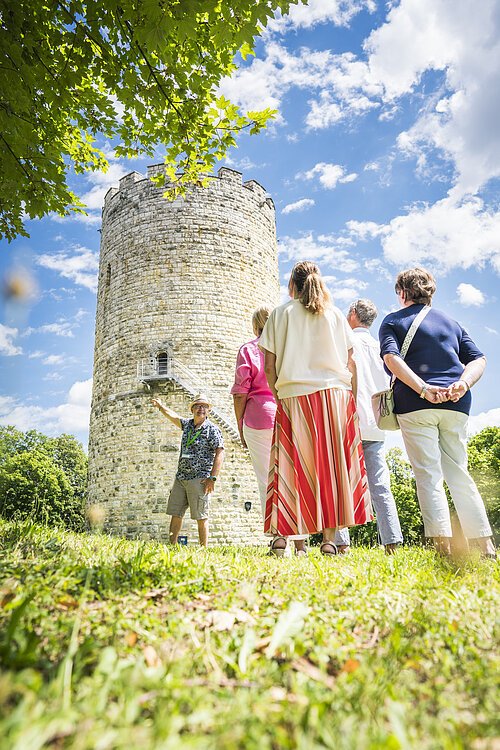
371	378
311	350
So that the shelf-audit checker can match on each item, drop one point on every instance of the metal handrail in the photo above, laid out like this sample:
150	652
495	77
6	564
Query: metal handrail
177	372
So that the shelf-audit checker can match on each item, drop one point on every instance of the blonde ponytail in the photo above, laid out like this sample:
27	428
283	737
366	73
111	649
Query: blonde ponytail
311	289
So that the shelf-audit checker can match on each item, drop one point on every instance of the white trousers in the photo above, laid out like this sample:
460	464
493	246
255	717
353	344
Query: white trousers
436	443
259	444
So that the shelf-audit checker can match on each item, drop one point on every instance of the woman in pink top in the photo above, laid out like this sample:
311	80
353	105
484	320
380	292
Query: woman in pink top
255	407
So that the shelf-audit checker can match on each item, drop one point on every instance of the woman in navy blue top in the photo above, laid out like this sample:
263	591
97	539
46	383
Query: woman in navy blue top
432	400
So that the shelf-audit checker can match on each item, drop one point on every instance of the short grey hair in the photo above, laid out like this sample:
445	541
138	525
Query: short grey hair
365	310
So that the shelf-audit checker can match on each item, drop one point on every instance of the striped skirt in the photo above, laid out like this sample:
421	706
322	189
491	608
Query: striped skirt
317	475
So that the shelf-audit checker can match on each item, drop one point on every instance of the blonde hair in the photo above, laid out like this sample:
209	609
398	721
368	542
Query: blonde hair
417	285
259	319
311	289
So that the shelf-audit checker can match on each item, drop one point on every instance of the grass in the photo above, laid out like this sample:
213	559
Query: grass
107	644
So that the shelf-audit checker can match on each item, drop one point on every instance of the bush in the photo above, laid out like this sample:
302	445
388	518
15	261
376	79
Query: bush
42	478
484	465
405	494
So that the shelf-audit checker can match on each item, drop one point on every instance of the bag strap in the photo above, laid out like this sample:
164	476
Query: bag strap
410	334
413	329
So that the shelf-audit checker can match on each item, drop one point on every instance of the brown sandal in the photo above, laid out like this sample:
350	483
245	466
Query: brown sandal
278	551
328	553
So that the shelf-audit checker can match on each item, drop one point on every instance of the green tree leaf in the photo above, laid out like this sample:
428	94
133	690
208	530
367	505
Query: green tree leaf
69	68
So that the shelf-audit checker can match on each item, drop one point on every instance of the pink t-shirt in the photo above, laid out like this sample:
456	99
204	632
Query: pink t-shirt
250	378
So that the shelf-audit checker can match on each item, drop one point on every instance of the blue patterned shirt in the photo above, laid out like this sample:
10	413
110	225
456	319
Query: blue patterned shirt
198	446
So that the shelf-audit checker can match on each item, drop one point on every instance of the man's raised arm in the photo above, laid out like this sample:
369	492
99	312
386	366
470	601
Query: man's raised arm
168	413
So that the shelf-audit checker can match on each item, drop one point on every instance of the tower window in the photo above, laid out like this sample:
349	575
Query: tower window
108	275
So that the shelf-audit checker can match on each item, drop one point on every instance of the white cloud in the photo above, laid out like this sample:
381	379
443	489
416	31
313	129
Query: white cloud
489	418
7	346
469	295
459	41
446	235
54	359
81	266
241	164
463	40
52	376
100	183
58	329
328	174
378	269
71	416
284	293
344	84
299	205
335	105
363	230
345	291
338	12
323	250
493	331
90	219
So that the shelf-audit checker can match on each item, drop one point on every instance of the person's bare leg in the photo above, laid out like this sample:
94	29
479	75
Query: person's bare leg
175	527
390	549
442	545
486	545
300	546
328	546
203	531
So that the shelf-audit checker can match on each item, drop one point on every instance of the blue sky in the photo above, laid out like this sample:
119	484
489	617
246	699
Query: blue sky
385	154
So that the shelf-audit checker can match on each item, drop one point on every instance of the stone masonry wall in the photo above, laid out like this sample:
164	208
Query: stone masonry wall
183	276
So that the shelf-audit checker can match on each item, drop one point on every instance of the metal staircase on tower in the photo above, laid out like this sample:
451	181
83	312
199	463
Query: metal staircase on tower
160	370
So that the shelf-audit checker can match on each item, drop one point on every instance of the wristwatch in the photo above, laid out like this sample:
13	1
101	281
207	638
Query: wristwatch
214	479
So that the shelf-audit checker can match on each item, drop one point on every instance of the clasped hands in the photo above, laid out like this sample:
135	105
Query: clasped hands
453	392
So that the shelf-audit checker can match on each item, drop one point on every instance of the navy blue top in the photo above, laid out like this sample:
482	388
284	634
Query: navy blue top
438	352
198	446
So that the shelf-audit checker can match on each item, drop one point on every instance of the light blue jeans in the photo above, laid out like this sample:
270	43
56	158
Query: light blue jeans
379	482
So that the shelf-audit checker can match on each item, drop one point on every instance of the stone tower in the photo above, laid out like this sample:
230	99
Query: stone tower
178	282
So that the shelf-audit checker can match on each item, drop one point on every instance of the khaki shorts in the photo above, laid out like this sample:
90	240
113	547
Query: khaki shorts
188	493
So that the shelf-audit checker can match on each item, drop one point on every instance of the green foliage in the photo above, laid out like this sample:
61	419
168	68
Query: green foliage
42	478
32	486
143	73
68	454
117	644
484	465
405	494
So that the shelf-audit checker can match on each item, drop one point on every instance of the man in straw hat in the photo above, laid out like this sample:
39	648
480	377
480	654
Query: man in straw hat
200	461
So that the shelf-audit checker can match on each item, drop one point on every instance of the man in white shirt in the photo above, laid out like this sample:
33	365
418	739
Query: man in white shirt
372	378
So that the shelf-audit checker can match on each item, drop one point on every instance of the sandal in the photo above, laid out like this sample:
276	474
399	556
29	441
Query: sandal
300	553
278	551
328	553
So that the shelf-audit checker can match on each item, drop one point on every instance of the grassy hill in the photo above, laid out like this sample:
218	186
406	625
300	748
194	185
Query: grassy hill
107	643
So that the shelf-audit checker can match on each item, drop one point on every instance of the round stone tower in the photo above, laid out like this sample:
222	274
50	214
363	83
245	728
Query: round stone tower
178	282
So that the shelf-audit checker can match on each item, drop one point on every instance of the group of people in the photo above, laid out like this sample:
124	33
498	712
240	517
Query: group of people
302	399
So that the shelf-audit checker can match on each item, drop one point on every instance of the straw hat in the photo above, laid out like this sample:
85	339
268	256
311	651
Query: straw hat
200	398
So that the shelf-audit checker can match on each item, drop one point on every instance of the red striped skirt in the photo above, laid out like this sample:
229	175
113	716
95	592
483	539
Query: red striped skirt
317	475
